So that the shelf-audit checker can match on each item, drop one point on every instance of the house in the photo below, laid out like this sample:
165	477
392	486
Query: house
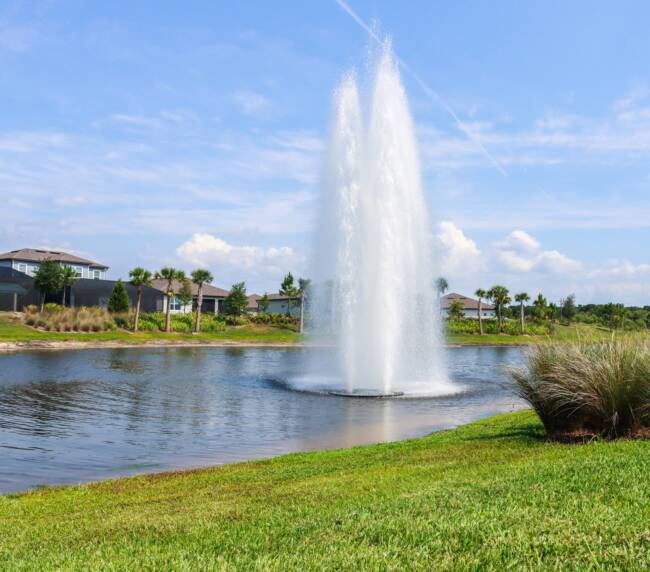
252	303
213	297
28	260
470	306
16	290
279	304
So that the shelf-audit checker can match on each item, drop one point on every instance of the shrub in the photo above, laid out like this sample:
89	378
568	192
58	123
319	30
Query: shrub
589	388
119	301
56	318
491	326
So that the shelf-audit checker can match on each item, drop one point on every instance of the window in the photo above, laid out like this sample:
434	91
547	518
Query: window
175	304
97	274
78	271
22	267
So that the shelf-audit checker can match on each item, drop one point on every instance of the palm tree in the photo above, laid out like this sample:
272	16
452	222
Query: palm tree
139	277
500	295
441	286
521	298
68	278
171	275
303	286
200	277
480	294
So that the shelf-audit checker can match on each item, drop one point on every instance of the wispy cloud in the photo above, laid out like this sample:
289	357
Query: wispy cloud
251	102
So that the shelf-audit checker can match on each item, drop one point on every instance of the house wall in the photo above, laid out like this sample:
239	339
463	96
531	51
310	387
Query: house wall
280	307
472	313
30	268
211	305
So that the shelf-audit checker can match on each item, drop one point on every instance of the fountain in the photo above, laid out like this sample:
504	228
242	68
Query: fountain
374	270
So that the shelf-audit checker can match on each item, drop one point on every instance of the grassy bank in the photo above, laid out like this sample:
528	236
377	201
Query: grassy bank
12	330
489	496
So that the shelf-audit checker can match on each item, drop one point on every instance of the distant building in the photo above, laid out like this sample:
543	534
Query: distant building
28	260
213	298
470	306
279	304
252	303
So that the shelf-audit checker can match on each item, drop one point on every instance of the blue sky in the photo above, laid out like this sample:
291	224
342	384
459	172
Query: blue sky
177	133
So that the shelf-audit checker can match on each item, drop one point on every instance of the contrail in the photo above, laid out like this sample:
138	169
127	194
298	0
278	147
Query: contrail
425	87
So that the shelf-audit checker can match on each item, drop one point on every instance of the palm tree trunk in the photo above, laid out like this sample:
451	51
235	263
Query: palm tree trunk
302	312
480	317
199	303
136	320
521	317
168	316
42	302
500	318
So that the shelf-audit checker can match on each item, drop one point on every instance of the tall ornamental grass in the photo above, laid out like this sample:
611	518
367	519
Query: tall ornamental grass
589	388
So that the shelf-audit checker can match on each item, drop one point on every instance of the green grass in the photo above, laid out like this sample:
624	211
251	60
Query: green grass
12	330
492	495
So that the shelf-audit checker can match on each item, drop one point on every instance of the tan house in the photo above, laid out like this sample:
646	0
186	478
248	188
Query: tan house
470	306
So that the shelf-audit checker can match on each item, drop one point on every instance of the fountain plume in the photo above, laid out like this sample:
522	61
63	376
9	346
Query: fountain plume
373	258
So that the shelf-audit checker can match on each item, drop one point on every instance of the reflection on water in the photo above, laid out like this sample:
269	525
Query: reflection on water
77	416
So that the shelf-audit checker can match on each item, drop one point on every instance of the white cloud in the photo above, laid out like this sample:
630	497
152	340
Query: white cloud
458	253
520	252
207	250
250	102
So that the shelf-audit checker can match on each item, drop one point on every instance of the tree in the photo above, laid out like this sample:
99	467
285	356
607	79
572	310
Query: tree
441	286
171	275
184	293
568	308
521	298
303	287
500	296
288	289
480	294
68	278
236	302
456	310
119	300
263	303
200	277
48	279
540	307
139	277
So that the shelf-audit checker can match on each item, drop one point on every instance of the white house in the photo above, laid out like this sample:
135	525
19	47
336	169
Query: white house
279	304
28	260
470	306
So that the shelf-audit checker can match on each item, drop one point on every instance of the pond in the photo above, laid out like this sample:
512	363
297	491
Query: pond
76	416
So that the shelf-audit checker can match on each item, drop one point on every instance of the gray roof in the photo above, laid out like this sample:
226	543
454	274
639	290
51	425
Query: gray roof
208	289
467	302
38	255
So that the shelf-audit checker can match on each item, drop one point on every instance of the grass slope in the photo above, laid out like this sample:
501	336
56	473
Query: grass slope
488	496
12	330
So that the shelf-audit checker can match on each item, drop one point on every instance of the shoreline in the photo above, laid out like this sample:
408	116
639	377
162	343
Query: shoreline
54	345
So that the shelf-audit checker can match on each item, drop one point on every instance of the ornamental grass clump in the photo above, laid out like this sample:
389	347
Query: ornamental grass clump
589	388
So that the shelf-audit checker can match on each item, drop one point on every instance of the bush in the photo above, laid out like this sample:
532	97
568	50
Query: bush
56	318
275	319
119	301
491	326
589	388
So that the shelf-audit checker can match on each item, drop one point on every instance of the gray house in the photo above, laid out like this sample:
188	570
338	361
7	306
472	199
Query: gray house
213	298
470	306
28	260
279	304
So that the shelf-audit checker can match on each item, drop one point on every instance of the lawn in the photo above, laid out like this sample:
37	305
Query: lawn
492	495
12	330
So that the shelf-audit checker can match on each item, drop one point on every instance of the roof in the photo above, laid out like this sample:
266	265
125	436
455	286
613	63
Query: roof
252	301
282	297
208	289
468	303
38	255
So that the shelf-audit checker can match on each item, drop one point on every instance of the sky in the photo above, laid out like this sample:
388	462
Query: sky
192	133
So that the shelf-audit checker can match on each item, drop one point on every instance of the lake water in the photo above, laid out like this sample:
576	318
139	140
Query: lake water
75	416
